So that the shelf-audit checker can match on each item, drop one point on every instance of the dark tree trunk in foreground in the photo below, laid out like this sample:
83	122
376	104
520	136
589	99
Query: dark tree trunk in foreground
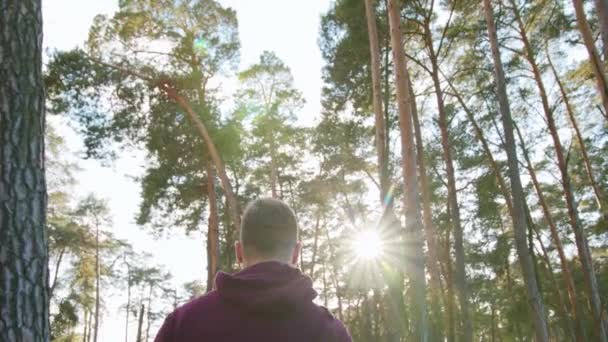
519	218
413	224
24	294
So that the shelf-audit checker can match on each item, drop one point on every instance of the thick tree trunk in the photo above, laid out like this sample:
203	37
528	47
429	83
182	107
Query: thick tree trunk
519	220
380	124
597	191
594	58
212	229
413	224
24	293
461	283
566	274
602	14
140	323
581	239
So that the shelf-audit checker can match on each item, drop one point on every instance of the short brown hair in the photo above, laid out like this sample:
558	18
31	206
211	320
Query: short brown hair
269	229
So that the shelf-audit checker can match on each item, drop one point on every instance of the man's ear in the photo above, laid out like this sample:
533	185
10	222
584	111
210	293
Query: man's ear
238	249
295	254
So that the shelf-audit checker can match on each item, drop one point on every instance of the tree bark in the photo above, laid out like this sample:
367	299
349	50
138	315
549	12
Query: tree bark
97	283
580	237
519	223
594	58
413	222
24	293
597	191
461	283
212	230
566	273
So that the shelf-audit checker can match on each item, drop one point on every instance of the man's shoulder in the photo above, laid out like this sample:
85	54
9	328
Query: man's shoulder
201	303
336	331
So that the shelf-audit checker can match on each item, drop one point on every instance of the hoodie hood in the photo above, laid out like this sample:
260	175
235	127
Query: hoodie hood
267	287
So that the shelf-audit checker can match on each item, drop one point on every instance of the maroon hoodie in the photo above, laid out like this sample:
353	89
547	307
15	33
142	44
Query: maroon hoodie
268	302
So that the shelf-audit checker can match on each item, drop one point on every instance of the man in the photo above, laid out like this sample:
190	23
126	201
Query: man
269	300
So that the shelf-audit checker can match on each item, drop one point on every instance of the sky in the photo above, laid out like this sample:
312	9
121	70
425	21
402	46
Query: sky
287	27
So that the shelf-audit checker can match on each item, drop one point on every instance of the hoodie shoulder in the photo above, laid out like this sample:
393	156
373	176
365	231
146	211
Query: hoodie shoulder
336	331
182	318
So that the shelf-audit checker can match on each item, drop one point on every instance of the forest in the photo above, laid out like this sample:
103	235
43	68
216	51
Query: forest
453	187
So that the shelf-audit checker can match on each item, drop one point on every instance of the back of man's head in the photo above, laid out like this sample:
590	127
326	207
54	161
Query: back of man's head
269	230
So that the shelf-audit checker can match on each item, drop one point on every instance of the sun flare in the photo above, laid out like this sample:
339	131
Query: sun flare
367	245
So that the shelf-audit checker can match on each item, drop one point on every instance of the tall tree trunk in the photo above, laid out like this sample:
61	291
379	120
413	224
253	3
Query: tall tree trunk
413	223
602	14
566	273
85	330
149	315
212	229
519	220
90	323
315	247
334	274
233	208
128	304
461	283
57	265
597	191
580	237
168	88
140	323
24	293
594	58
429	231
451	302
380	124
485	145
97	283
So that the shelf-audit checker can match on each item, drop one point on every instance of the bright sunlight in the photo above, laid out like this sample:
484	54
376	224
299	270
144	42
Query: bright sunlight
367	245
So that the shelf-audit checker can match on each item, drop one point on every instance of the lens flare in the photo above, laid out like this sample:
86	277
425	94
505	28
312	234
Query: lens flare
367	245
